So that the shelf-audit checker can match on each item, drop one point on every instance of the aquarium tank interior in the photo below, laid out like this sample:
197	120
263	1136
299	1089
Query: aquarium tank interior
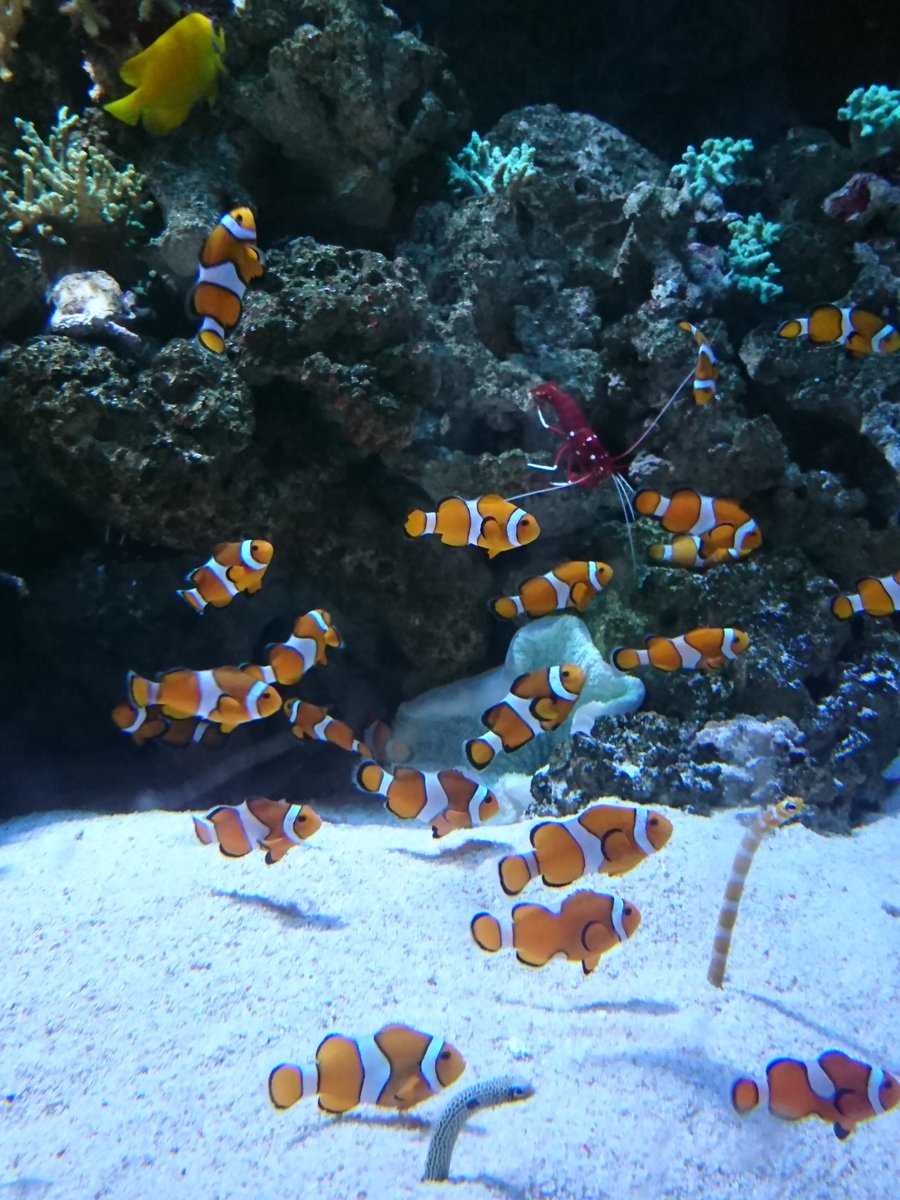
449	600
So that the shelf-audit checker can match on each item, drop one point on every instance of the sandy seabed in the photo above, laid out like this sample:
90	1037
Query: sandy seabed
150	985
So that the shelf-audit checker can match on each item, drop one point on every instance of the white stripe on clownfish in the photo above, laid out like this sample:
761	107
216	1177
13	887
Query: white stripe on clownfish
247	555
818	1080
514	517
475	803
253	699
430	522
640	832
558	688
210	324
617	916
241	232
223	275
428	1067
436	801
254	830
476	520
221	573
376	1068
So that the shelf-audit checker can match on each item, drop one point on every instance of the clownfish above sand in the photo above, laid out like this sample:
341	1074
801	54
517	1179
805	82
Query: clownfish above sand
398	1067
271	825
702	649
233	567
879	596
447	799
181	67
229	696
587	925
494	524
706	372
605	838
537	702
570	585
312	721
229	261
832	1087
856	329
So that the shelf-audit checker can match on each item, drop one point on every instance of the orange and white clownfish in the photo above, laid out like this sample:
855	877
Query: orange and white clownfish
490	522
706	372
587	925
877	596
570	585
307	647
702	649
229	261
148	724
448	800
234	567
398	1067
686	511
271	825
832	1087
696	553
859	331
604	838
229	696
312	721
538	702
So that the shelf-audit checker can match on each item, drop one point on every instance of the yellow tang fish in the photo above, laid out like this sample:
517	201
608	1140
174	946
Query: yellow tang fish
171	75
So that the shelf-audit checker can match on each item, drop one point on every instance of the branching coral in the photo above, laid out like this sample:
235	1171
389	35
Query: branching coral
12	14
874	116
750	265
482	168
714	165
71	188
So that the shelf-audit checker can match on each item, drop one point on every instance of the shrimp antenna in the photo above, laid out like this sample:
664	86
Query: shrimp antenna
659	416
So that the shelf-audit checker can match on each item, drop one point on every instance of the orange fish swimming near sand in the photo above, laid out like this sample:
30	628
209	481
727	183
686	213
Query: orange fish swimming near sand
448	800
537	702
271	825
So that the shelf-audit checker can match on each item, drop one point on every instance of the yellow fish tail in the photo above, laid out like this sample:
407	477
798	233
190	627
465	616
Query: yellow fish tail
128	109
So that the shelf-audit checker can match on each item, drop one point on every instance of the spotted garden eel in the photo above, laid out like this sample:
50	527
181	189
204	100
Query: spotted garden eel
765	821
505	1089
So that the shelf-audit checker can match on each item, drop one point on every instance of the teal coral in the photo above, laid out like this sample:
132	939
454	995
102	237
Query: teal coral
715	164
874	116
482	169
750	265
70	188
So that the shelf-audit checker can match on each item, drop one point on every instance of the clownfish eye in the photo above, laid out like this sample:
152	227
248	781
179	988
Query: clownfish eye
627	910
653	821
300	818
444	1055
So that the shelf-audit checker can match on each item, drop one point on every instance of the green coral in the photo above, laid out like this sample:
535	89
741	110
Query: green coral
750	265
715	164
70	188
481	168
874	115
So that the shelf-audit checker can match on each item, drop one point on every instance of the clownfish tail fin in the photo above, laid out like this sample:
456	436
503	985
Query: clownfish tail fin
503	606
286	1085
744	1095
192	597
514	873
370	777
486	932
415	523
141	692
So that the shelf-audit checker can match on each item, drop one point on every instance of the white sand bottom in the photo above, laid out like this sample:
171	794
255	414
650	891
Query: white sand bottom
150	985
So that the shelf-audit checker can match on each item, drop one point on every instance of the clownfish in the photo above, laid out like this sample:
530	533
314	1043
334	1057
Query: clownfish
311	721
587	925
229	261
570	585
494	524
877	596
604	838
686	511
271	825
229	696
703	649
171	75
538	702
706	372
832	1087
397	1067
307	647
696	553
234	567
149	724
859	331
446	799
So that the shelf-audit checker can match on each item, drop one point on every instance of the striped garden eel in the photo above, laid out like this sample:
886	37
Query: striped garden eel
765	821
505	1089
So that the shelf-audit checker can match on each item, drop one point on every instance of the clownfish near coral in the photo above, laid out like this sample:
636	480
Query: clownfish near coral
448	800
181	67
150	725
720	524
587	926
271	825
833	1087
397	1067
856	329
233	567
701	649
706	372
879	596
229	261
570	585
490	522
695	553
537	702
312	637
312	721
605	838
228	696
